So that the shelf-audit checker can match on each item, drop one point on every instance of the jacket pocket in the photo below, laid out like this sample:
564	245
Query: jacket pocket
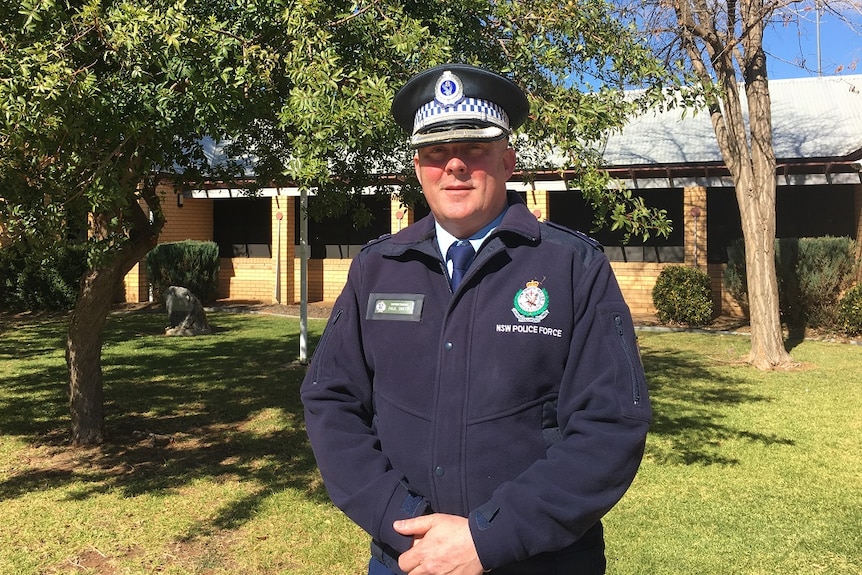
639	400
321	345
550	426
628	352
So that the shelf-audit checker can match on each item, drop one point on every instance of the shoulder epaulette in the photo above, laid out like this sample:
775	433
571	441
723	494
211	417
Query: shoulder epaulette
578	234
370	243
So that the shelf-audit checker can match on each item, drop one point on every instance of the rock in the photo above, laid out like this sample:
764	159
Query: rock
185	313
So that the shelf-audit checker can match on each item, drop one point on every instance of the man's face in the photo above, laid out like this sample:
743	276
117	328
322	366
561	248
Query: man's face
465	182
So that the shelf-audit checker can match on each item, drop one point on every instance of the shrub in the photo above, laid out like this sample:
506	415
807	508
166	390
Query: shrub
826	268
189	264
811	274
50	282
683	294
850	311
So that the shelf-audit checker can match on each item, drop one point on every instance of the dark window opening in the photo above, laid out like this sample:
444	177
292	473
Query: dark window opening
339	237
242	227
723	225
800	212
570	209
815	211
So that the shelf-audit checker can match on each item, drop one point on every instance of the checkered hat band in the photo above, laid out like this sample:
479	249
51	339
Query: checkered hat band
468	109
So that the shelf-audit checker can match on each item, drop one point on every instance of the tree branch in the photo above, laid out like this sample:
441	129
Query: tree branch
355	14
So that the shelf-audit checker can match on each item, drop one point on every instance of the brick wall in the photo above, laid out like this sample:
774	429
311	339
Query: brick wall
255	278
539	202
192	221
401	217
694	222
239	278
724	303
326	279
284	250
268	280
636	281
250	279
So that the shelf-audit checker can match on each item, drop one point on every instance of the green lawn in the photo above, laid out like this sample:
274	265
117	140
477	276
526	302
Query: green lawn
207	469
746	472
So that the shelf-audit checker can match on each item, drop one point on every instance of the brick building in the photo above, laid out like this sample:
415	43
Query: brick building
672	161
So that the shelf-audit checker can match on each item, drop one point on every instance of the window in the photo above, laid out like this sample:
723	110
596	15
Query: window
242	227
800	212
570	209
338	237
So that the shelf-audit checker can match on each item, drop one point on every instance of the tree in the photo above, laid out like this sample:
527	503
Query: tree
751	163
717	50
104	100
97	100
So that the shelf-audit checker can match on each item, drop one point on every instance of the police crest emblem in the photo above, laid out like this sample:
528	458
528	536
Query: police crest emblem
449	89
531	303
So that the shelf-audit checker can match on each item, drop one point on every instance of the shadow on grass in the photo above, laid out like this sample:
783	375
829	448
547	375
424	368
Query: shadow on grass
795	336
26	335
33	396
689	399
226	407
178	410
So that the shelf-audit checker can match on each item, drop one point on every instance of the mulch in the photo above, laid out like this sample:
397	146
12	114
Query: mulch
321	310
722	324
316	310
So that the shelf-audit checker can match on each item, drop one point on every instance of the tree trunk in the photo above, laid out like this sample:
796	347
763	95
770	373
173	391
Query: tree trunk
84	356
84	338
747	150
767	338
756	197
857	217
753	172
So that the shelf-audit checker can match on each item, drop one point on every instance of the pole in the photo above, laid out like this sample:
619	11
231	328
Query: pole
303	275
276	295
817	16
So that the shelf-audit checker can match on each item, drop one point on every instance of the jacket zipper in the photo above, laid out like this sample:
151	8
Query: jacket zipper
446	277
636	393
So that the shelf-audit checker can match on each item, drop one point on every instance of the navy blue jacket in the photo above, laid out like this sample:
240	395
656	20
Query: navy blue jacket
519	401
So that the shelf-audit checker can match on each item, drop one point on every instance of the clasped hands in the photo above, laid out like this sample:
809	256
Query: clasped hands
442	545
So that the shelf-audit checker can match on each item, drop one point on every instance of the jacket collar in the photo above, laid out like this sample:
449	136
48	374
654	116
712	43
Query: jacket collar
421	235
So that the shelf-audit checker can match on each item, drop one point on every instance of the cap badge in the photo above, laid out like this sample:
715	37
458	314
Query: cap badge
531	303
449	89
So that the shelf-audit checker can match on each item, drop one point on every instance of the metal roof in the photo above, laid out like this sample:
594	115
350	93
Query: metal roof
817	136
812	118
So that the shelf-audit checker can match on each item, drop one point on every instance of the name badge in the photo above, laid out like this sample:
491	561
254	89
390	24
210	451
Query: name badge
395	306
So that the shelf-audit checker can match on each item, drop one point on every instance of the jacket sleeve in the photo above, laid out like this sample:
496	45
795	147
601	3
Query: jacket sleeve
603	413
336	394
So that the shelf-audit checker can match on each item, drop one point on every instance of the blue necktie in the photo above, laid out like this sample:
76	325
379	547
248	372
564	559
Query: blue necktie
461	253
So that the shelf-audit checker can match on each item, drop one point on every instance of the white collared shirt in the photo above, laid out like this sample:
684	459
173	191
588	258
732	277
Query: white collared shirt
445	239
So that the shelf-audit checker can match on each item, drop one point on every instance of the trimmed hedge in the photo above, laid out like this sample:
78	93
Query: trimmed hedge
812	273
683	294
190	264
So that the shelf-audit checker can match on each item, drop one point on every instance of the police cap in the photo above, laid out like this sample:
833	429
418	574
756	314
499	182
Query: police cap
459	103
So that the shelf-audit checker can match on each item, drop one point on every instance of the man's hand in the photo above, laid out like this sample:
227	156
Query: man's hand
442	545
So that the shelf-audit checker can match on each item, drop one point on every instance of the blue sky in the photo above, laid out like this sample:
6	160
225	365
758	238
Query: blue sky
840	47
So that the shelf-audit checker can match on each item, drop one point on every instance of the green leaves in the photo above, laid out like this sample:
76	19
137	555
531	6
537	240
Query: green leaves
96	95
33	11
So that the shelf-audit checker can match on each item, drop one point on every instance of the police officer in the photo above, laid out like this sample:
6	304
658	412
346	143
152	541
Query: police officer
477	402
